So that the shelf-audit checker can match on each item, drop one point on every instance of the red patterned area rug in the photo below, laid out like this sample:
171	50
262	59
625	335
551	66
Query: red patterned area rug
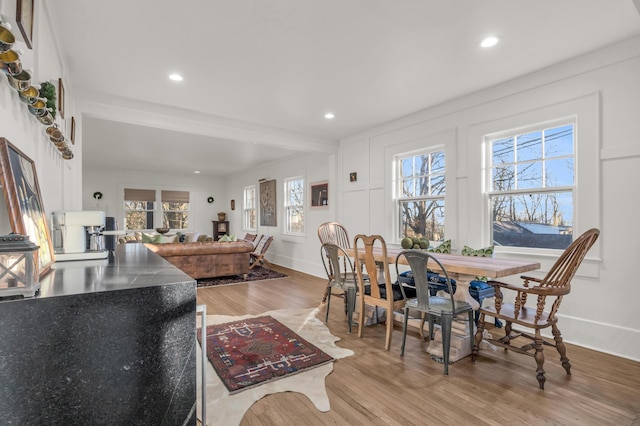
256	274
224	409
253	351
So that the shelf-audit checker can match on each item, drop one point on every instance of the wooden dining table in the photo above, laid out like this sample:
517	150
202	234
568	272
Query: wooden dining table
463	269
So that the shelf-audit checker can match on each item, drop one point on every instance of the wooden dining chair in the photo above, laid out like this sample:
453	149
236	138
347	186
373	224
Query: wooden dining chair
548	291
445	307
374	291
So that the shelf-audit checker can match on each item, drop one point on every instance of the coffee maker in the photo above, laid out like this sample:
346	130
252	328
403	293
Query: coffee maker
77	235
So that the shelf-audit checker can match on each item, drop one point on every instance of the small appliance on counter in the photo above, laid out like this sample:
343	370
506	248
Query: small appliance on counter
77	235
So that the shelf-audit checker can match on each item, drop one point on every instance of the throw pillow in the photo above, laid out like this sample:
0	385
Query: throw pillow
146	238
445	248
167	240
191	237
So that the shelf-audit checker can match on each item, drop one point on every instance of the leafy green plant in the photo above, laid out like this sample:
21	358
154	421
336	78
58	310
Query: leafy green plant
48	91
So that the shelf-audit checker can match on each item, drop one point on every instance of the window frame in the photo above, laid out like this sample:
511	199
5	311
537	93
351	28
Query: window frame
583	108
163	210
288	207
399	200
542	187
246	210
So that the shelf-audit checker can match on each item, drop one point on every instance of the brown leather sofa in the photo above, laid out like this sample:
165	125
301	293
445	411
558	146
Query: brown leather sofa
207	259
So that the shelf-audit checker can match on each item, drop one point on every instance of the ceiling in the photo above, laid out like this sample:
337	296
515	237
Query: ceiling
259	75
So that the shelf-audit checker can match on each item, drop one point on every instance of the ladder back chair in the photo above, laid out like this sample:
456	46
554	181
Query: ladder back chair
373	291
548	291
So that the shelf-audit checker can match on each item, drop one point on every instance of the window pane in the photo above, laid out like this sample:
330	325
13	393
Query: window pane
437	162
294	205
502	151
437	185
176	219
408	188
503	178
559	172
558	141
406	167
529	175
533	220
529	146
423	218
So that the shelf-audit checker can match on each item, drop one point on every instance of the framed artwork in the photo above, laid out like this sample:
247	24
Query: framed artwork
60	98
24	19
72	132
320	194
268	203
24	202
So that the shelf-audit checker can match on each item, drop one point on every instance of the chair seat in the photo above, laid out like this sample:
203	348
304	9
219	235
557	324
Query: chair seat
347	282
525	318
397	293
441	305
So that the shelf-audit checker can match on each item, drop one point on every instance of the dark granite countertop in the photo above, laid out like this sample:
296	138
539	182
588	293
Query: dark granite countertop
131	266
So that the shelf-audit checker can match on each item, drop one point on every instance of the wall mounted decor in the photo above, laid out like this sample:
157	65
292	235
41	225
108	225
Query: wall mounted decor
320	194
61	98
268	203
210	200
233	204
353	177
73	130
24	19
24	202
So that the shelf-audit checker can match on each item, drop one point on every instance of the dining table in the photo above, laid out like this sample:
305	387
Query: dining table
463	269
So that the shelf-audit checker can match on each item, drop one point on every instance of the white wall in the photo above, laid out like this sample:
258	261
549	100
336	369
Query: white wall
59	180
111	182
602	90
297	252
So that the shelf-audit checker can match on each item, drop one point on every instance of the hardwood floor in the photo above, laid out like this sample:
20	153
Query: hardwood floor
382	388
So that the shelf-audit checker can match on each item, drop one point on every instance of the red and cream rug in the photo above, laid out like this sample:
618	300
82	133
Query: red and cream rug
225	407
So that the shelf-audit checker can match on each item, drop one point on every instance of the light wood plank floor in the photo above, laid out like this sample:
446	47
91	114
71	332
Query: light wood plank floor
381	388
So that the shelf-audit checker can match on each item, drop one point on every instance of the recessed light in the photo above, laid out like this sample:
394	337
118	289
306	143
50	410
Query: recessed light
196	171
175	77
489	41
329	115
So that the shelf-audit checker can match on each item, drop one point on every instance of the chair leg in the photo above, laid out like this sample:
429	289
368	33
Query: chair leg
478	338
430	326
351	304
361	316
389	327
561	348
326	318
326	293
445	327
404	330
539	357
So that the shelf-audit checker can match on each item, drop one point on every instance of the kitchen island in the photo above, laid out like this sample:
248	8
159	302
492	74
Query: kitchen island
104	342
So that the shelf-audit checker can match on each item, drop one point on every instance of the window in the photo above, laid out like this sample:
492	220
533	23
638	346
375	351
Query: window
249	208
294	205
139	205
531	187
421	190
175	209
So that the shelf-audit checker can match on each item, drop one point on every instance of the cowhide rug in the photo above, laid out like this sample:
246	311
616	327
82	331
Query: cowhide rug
225	409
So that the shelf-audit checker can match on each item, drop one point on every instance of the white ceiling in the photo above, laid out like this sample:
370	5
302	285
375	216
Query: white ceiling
260	74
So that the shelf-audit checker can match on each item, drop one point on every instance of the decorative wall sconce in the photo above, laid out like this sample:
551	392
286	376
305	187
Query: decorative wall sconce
19	271
233	204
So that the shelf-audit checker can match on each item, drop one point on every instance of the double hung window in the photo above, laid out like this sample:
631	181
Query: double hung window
139	205
421	194
175	209
294	205
249	208
531	187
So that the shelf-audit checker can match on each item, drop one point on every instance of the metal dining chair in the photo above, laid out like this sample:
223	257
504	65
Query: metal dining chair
342	276
445	307
332	232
